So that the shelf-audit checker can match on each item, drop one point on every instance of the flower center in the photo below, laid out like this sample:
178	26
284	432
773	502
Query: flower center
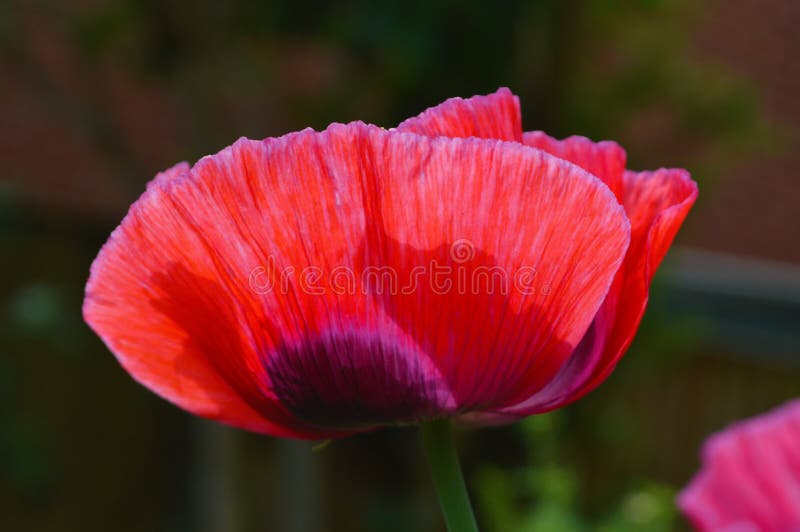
352	381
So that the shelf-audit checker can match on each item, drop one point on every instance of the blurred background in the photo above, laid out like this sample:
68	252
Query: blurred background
97	96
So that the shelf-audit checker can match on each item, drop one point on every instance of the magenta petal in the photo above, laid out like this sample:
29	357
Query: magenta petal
750	479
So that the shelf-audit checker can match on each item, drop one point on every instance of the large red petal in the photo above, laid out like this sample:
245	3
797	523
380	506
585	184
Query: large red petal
494	116
178	291
193	296
656	203
158	300
489	211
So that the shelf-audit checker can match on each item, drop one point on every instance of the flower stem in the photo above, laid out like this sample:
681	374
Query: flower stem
437	438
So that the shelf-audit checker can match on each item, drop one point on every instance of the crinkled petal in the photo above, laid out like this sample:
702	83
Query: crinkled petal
605	159
494	116
170	174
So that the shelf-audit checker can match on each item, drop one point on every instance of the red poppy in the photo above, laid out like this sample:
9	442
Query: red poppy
750	480
325	283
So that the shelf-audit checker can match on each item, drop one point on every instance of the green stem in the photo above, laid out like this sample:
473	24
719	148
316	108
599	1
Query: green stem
437	438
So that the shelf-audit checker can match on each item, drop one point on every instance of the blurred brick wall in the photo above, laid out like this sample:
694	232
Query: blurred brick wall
80	132
755	209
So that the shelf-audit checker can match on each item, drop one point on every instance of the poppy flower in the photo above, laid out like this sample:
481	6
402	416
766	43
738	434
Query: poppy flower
750	478
321	284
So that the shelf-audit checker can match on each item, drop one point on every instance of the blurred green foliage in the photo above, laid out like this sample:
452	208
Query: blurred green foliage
604	69
545	494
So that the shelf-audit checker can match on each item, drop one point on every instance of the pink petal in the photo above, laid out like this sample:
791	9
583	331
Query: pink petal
750	479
